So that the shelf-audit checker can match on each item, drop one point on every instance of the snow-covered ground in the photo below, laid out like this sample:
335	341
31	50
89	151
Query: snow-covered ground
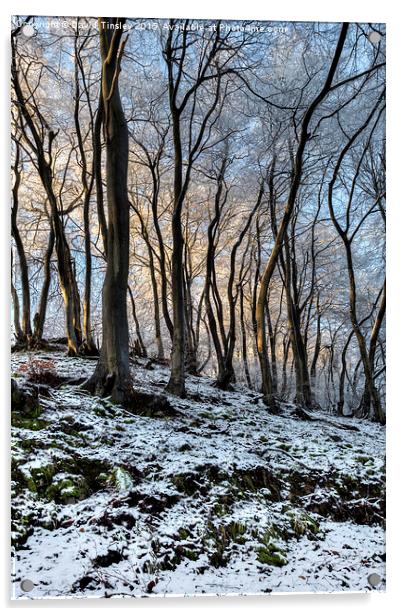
220	497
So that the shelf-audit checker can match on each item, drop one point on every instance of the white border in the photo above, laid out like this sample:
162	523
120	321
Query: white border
292	10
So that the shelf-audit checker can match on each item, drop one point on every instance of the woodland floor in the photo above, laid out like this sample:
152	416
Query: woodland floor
218	497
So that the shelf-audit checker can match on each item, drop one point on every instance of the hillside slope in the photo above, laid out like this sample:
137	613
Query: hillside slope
213	495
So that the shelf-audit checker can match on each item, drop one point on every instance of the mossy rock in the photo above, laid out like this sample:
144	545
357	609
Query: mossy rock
25	407
36	479
220	509
268	553
284	446
271	555
207	415
67	488
29	483
198	480
39	478
99	411
182	552
25	399
92	469
72	426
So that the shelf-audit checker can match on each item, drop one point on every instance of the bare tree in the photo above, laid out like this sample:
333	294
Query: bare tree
112	373
297	174
40	142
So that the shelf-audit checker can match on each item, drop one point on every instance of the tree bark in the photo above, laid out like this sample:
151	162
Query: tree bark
40	316
26	332
112	373
139	348
176	384
19	335
297	175
370	387
88	346
67	279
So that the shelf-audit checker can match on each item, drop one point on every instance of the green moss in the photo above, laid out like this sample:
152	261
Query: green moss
207	415
219	509
190	554
363	459
67	489
271	555
303	524
106	440
253	480
217	540
236	532
186	483
25	415
28	423
28	444
99	411
284	446
30	484
103	478
43	475
272	532
183	533
36	479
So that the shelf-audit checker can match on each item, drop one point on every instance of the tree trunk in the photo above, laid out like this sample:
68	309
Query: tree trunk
162	254
88	346
272	346
16	303
112	373
294	189
244	339
316	354
26	331
227	375
97	166
176	384
303	390
40	316
154	283
347	242
140	348
67	279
